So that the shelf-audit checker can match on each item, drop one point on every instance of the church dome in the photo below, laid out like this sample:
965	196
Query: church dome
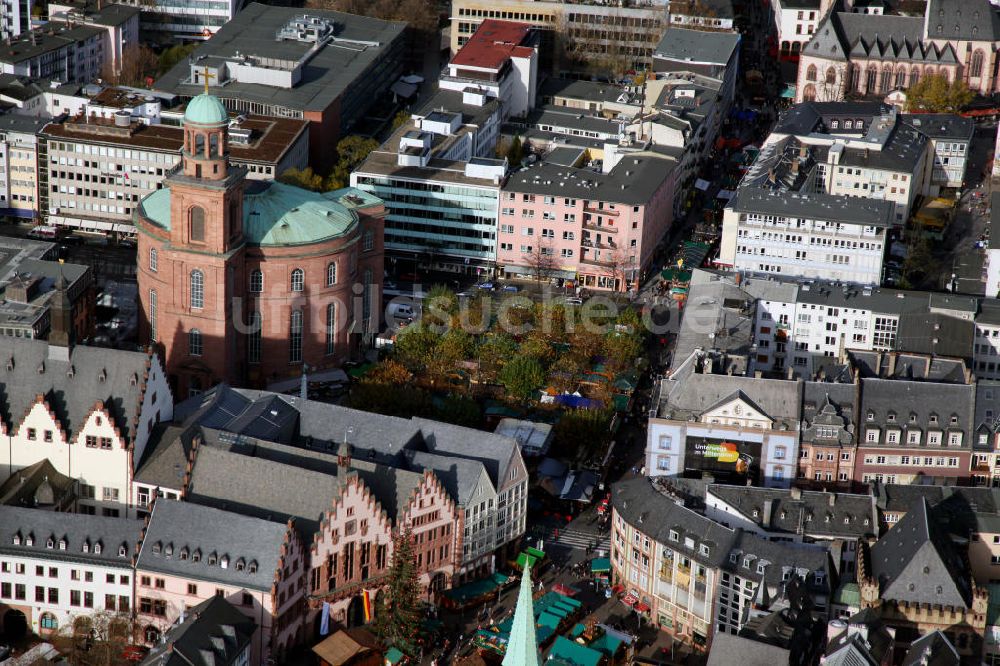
206	109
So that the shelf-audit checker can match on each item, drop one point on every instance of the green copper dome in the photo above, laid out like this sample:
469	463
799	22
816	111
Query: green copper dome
206	109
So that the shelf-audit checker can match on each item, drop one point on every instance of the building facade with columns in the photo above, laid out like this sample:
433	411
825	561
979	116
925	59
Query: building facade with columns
250	282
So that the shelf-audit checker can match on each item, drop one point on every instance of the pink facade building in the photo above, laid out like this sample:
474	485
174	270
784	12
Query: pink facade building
352	551
599	226
188	553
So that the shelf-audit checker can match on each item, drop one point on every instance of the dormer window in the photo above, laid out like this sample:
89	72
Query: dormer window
732	558
747	561
157	547
954	419
97	548
169	550
86	546
818	577
184	553
703	549
62	544
871	415
673	535
891	417
50	543
122	550
196	556
224	562
760	567
756	513
17	539
933	419
913	417
847	520
30	540
213	559
240	564
252	567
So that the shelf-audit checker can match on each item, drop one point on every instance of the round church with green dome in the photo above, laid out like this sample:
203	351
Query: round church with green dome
248	282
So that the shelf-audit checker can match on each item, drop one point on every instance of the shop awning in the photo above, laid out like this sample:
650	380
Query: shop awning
630	599
600	565
642	607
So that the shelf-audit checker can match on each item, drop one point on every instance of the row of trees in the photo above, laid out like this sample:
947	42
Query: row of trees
351	152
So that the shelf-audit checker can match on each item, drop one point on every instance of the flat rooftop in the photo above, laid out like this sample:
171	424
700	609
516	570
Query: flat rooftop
818	206
697	46
270	137
38	42
326	76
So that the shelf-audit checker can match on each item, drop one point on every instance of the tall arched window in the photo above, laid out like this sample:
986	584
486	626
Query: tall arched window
196	224
256	282
809	93
914	76
831	76
900	78
194	342
871	76
811	73
331	274
197	289
366	305
295	337
254	337
331	328
298	279
976	68
153	259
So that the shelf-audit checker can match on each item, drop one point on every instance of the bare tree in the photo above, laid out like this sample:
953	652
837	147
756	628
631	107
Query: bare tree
137	62
542	262
597	48
97	639
621	264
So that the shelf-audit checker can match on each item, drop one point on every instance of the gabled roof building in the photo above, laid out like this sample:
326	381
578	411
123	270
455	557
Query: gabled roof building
915	580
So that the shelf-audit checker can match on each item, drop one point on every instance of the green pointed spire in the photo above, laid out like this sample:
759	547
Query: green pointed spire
522	648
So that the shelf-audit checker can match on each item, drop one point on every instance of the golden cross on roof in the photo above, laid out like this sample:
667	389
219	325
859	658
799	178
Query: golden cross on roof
207	76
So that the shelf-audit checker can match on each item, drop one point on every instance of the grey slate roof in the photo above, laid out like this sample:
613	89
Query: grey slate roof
592	91
331	71
779	399
643	506
912	404
182	526
823	514
915	561
816	206
890	36
110	375
933	649
311	430
76	528
907	366
166	456
633	181
213	633
975	20
937	334
727	650
685	45
261	488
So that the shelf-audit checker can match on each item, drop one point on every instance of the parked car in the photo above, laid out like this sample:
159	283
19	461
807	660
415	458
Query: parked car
512	288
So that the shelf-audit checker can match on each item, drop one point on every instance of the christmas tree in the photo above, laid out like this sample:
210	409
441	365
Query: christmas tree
397	612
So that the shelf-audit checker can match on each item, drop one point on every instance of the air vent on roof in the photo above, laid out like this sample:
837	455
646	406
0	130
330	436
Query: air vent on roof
10	364
102	375
41	368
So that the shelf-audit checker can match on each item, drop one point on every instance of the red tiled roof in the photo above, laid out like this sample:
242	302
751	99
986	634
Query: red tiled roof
493	43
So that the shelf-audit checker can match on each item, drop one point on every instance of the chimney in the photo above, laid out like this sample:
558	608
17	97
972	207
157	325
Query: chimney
833	499
796	493
765	519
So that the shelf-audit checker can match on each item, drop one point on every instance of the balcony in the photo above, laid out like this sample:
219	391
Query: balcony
599	211
600	228
596	262
586	242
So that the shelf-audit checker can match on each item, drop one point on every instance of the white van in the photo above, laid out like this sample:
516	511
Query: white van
400	311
